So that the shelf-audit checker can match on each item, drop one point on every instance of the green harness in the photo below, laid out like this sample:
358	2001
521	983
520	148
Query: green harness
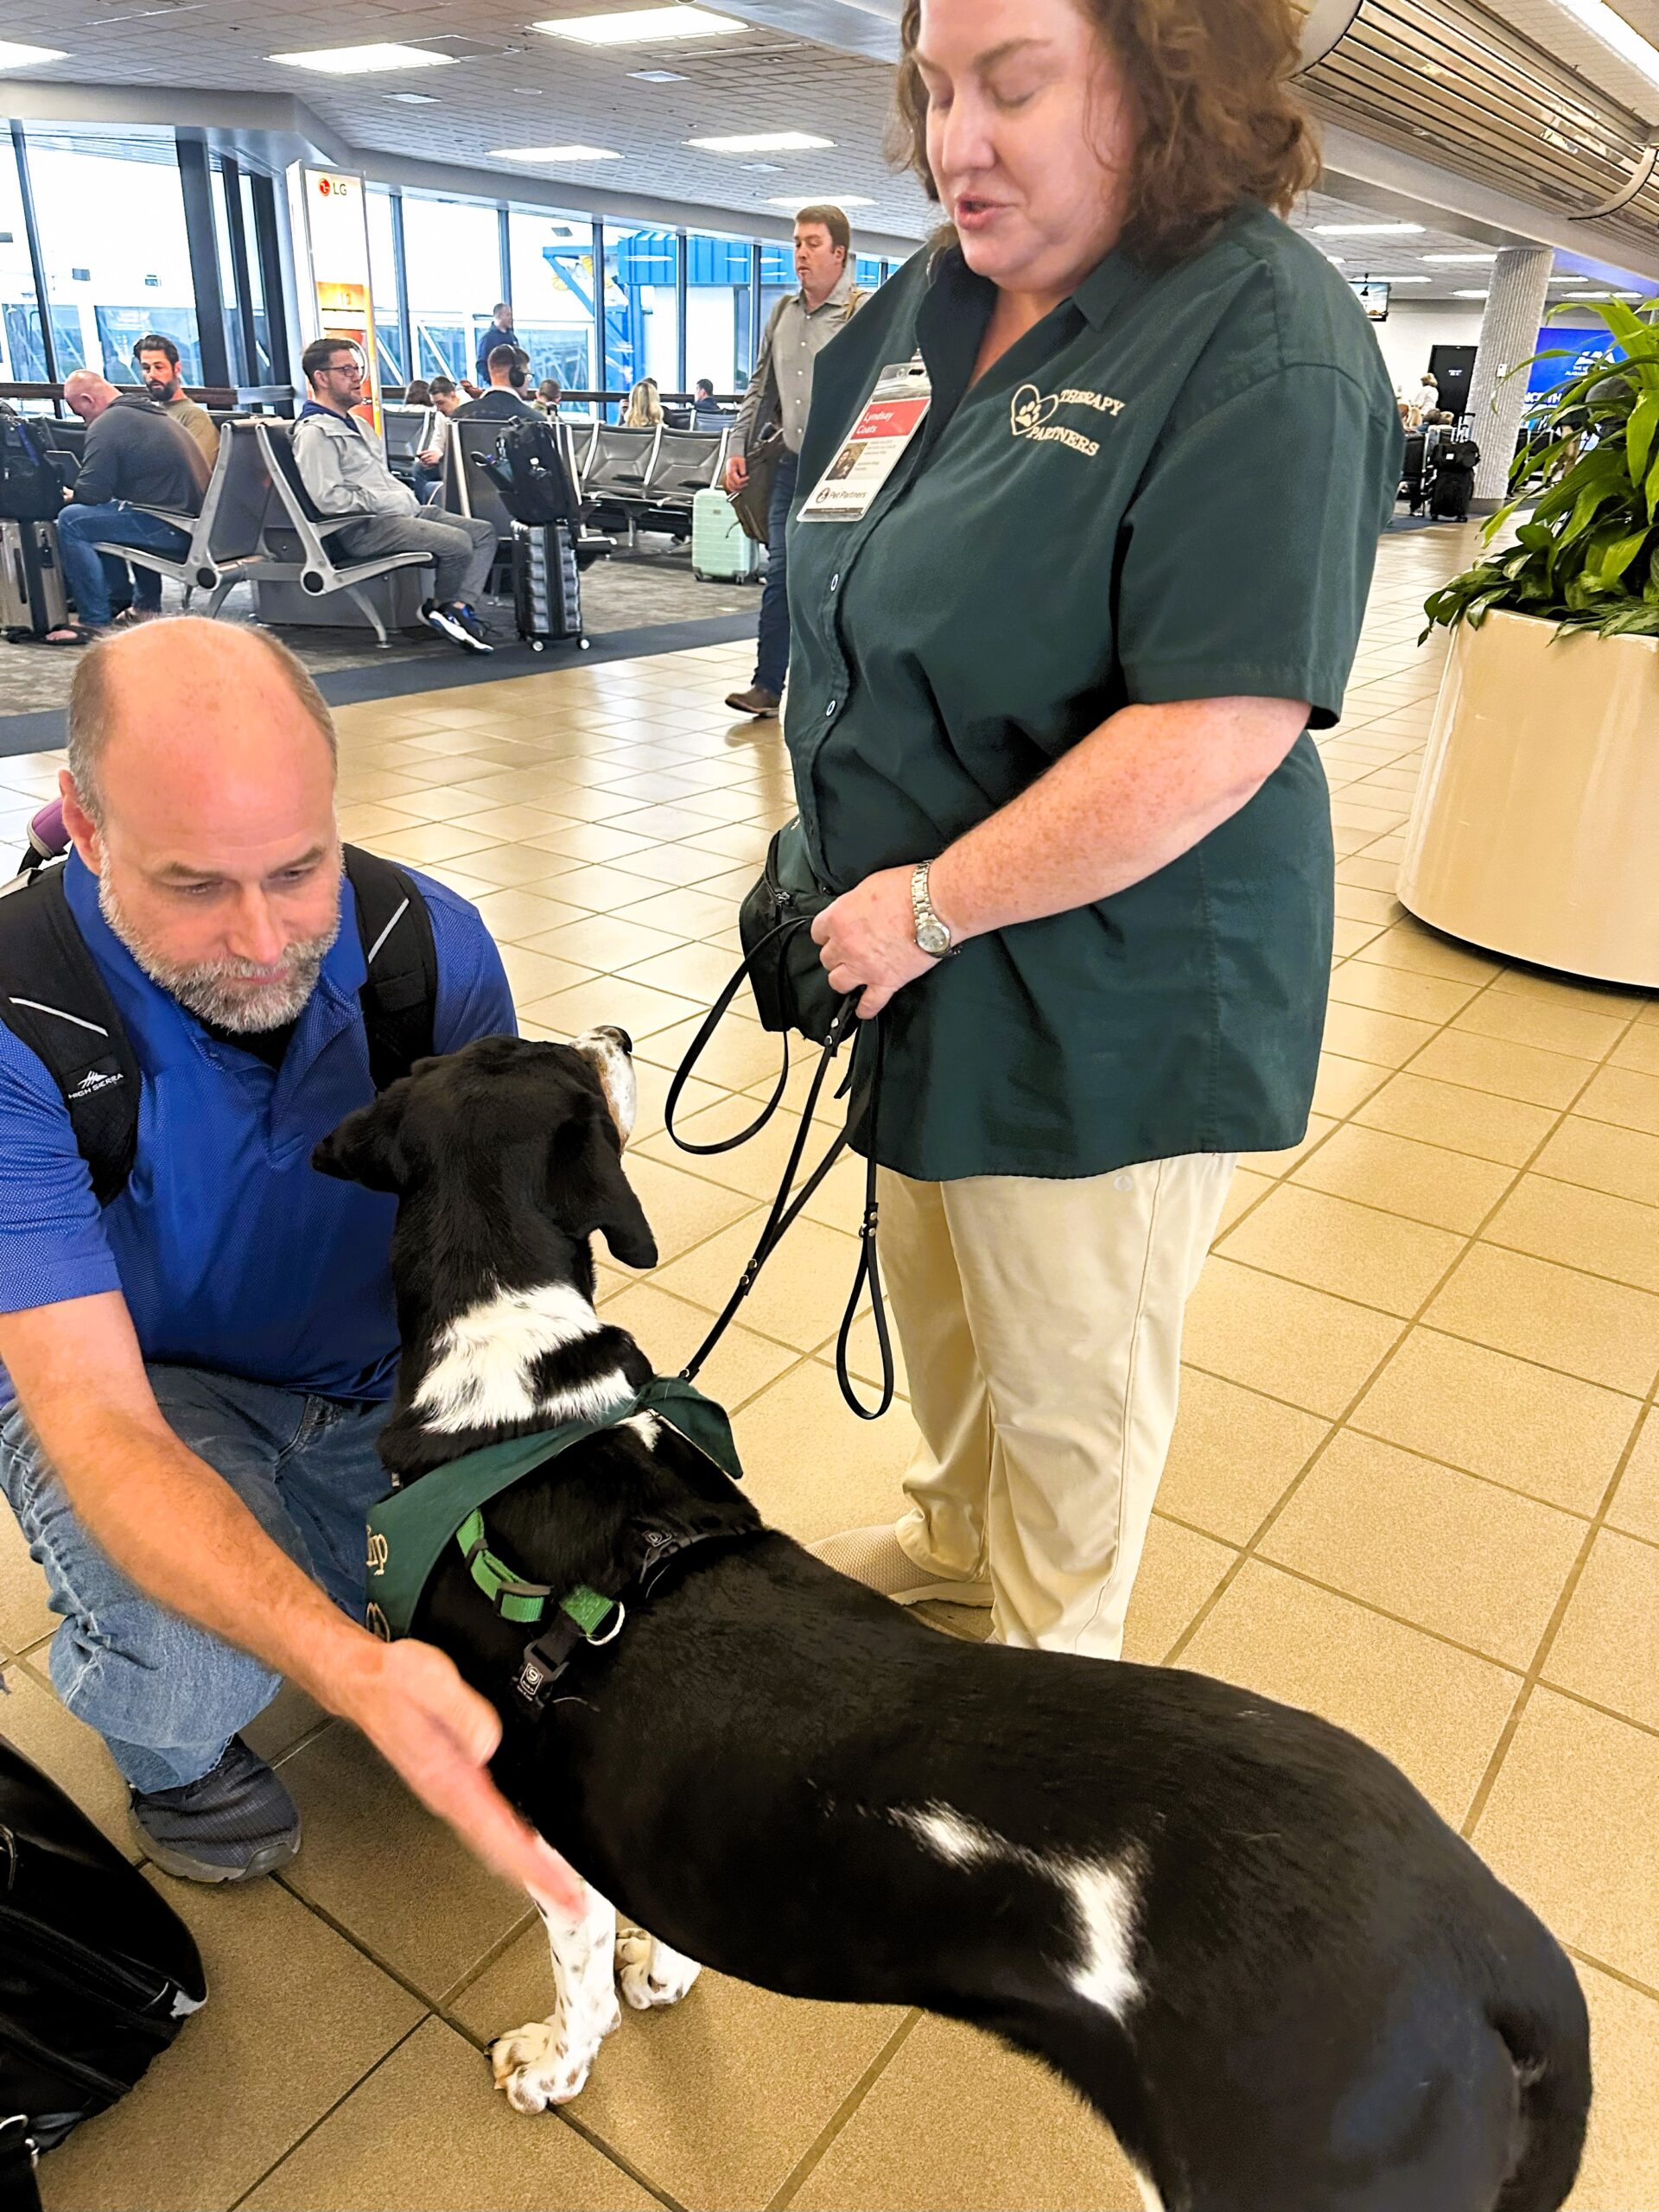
410	1531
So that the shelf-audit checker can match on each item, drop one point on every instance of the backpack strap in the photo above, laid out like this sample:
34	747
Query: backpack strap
54	1000
400	997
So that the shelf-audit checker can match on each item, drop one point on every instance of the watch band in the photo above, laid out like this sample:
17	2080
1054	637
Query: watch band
929	923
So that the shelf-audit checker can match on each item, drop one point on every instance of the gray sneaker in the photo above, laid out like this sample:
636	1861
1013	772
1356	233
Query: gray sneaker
233	1825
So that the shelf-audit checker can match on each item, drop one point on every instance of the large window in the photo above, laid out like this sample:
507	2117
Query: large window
552	259
453	258
22	359
110	211
642	308
720	340
383	286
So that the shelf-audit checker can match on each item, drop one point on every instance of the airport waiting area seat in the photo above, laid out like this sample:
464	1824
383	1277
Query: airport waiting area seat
226	539
646	479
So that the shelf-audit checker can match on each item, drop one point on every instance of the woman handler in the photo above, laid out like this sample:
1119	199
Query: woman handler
1057	653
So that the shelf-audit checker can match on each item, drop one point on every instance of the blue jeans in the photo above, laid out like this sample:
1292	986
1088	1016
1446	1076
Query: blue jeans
90	577
772	658
165	1695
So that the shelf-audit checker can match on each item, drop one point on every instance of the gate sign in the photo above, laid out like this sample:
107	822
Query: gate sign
337	240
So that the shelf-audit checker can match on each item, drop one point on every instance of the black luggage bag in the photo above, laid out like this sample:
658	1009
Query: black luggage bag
97	1974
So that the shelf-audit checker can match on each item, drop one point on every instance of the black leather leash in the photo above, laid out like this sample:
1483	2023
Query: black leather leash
786	1208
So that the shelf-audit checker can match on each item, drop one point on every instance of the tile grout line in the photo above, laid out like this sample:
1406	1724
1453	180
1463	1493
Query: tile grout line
344	2097
1251	1550
801	2171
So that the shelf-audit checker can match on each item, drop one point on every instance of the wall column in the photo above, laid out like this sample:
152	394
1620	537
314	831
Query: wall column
1516	304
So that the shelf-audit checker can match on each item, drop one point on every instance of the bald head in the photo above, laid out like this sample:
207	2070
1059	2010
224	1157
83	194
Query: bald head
174	713
87	394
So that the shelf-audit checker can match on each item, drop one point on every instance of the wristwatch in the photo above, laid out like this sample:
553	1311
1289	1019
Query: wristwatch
932	934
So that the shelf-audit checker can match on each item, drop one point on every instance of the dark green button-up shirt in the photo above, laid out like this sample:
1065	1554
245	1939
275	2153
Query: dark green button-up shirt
1172	488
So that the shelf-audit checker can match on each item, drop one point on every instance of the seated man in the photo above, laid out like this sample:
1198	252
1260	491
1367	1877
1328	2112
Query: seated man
707	413
442	399
198	1367
134	458
157	359
344	472
504	401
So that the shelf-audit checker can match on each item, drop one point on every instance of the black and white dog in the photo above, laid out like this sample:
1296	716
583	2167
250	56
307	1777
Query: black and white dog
1240	1934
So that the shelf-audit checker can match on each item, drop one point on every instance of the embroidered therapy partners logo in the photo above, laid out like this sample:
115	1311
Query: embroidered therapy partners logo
1029	413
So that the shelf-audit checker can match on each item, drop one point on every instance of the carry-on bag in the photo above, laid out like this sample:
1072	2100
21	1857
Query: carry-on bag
97	1974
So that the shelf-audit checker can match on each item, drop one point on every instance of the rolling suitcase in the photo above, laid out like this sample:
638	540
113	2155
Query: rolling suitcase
722	551
32	597
546	586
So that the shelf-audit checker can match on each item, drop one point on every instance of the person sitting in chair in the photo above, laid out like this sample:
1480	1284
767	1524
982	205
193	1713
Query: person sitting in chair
504	401
135	459
344	474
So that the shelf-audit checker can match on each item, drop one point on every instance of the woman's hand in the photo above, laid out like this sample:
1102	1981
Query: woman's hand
868	938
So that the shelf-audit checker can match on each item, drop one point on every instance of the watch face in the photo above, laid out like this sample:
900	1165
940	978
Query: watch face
934	937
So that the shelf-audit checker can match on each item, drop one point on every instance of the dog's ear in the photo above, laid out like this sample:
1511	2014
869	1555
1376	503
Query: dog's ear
364	1148
587	1190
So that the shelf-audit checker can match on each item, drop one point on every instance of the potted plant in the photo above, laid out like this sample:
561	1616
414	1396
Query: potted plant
1536	816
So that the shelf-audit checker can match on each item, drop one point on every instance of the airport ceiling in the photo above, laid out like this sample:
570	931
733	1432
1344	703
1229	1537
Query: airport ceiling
1514	98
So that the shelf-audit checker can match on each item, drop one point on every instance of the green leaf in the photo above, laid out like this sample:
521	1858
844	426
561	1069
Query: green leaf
1639	434
1616	557
1652	490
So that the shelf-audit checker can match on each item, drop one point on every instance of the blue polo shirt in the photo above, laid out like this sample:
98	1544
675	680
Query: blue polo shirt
231	1252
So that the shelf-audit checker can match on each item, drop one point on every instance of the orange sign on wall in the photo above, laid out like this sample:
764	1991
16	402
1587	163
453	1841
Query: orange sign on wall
337	240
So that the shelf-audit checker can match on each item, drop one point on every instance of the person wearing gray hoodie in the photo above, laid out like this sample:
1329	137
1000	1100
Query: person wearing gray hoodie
343	473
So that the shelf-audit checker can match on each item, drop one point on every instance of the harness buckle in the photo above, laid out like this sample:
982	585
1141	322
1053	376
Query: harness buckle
613	1631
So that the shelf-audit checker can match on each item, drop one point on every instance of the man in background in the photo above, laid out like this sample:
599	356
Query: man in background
707	413
135	458
345	475
780	391
503	400
498	333
157	359
442	400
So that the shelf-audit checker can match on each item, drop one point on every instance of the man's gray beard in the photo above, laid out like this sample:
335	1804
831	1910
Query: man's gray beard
208	988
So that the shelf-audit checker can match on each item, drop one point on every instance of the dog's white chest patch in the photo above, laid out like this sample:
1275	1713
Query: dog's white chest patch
1102	1894
482	1360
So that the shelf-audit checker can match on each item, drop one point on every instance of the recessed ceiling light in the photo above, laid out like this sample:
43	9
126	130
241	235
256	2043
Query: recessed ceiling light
529	92
415	100
363	60
762	169
642	26
839	199
660	76
553	154
1469	295
14	56
1601	22
1449	257
764	142
1366	230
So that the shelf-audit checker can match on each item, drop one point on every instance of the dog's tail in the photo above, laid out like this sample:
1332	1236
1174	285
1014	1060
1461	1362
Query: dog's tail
1542	2017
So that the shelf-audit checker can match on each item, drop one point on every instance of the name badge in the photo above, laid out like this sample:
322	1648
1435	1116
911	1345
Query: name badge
892	415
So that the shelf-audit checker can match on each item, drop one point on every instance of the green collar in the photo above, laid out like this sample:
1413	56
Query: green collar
408	1531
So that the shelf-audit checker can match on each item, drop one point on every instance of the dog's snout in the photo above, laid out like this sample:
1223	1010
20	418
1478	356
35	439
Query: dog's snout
621	1036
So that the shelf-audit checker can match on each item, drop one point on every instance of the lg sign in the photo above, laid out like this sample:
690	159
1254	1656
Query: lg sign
337	185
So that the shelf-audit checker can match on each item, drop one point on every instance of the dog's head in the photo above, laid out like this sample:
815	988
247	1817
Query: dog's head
505	1127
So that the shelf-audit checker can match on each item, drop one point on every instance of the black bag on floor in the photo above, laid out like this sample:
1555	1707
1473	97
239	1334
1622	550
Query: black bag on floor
546	586
97	1974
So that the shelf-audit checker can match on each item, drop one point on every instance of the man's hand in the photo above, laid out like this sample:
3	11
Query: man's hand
430	458
869	937
737	472
440	1735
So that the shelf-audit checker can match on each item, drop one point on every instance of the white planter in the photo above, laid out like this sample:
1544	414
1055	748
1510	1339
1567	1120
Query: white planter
1534	831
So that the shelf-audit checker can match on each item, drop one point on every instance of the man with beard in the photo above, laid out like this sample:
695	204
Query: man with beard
196	1372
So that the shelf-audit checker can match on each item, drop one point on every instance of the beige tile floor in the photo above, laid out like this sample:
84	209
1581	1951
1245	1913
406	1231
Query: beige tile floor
1414	1485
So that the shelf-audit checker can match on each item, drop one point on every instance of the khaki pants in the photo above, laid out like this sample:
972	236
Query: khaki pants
1041	1327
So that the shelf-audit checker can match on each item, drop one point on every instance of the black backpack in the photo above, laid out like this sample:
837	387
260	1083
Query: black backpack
54	999
97	1974
31	488
528	469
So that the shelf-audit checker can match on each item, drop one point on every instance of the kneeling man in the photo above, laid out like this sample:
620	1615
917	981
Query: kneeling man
195	1371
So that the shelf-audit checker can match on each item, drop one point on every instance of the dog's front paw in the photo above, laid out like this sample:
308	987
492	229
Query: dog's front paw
534	2068
649	1973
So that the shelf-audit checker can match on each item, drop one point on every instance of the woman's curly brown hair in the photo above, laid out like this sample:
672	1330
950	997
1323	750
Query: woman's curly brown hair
1218	122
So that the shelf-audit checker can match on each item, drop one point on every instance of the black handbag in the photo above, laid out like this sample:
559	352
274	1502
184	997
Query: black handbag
792	992
97	1973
